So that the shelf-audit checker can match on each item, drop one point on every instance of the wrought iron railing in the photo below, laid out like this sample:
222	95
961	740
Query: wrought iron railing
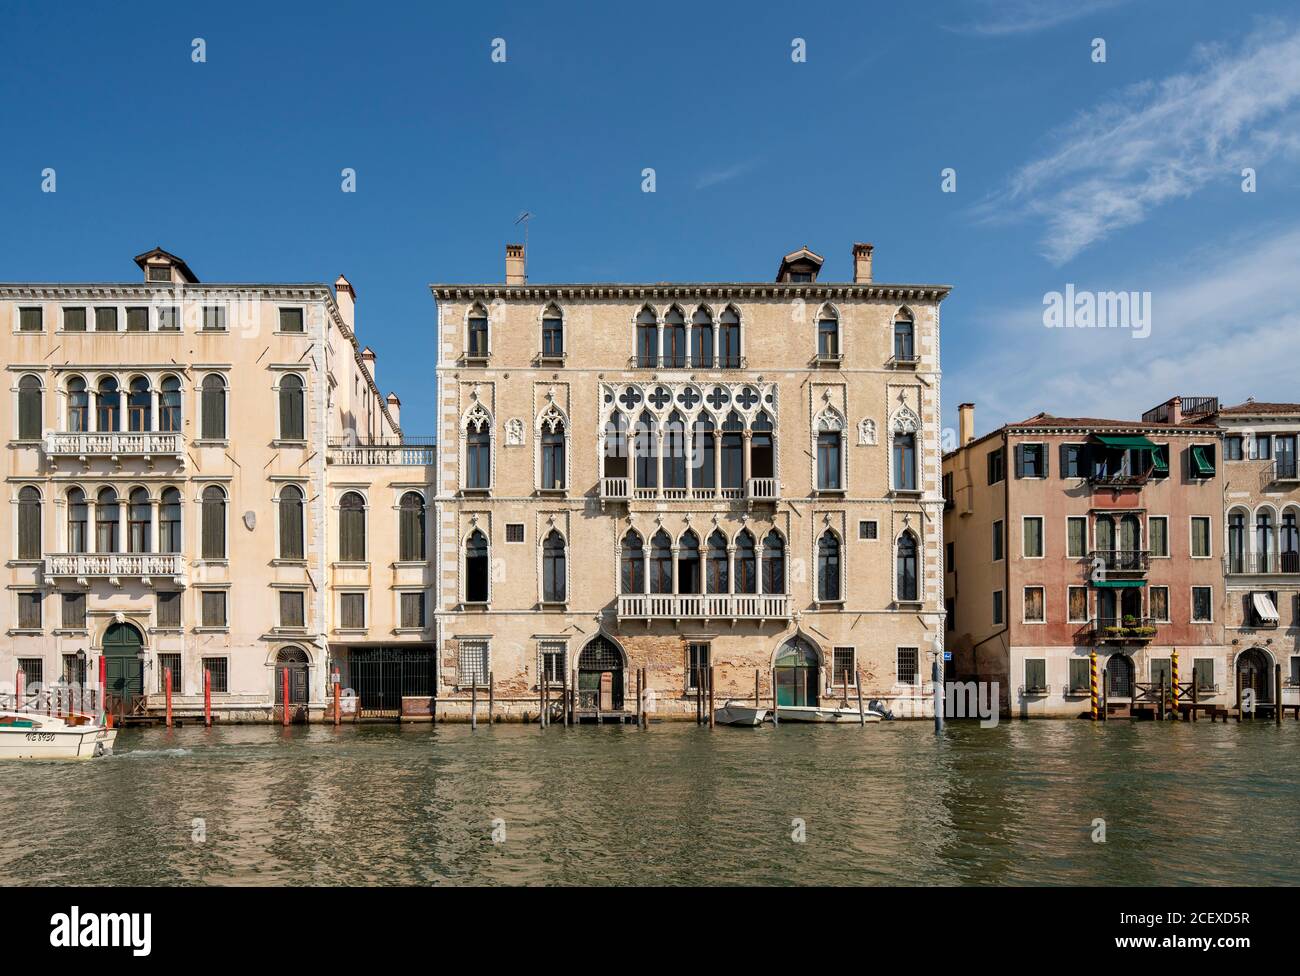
1261	563
1127	629
1122	560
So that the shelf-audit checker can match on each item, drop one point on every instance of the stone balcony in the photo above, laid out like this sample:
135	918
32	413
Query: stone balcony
115	566
385	452
85	446
704	606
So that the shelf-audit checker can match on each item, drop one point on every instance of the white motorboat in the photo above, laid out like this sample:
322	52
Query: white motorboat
30	735
733	713
824	713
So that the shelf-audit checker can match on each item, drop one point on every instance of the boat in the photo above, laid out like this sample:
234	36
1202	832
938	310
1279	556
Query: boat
824	713
30	735
733	713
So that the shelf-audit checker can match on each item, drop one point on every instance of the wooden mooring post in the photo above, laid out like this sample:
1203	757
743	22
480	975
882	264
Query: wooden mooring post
862	714
712	676
207	698
1196	699
1277	694
1238	694
1103	694
776	719
338	702
639	699
492	699
564	705
284	697
758	702
473	704
167	684
1092	682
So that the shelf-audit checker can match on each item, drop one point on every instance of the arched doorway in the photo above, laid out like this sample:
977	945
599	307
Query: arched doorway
600	676
295	660
798	674
1119	676
1255	672
123	669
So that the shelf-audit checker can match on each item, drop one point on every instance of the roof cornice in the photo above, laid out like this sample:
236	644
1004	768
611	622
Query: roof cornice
814	291
150	290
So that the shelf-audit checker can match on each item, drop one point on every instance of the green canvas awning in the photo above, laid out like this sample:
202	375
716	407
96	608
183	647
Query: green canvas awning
1202	466
1139	442
1158	460
1124	584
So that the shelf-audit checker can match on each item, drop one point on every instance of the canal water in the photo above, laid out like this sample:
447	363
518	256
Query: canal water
675	804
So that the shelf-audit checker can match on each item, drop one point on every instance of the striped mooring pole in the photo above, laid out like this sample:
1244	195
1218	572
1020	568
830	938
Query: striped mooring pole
1092	678
1173	664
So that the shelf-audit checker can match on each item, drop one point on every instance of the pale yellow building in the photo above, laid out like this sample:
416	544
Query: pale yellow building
678	475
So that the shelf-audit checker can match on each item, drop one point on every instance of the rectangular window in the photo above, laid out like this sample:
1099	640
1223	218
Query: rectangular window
1080	676
1203	672
159	272
169	319
1200	459
1232	447
1076	536
904	462
1074	461
74	611
292	608
214	608
291	320
1033	530
33	669
472	663
74	320
1202	610
996	467
1158	530
697	664
29	610
950	613
172	661
352	611
219	673
1161	672
846	667
1031	461
908	665
553	337
1159	465
29	320
1035	612
867	529
997	540
1078	604
552	662
1158	603
949	557
105	320
1200	536
169	609
412	610
137	320
1035	674
997	608
214	318
514	532
74	669
828	461
1261	447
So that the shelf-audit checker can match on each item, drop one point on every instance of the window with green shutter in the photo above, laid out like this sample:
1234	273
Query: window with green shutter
29	610
1162	672
1158	530
1203	672
352	611
169	609
1080	676
30	409
29	523
1035	674
137	320
1033	531
1200	536
30	320
291	522
214	408
74	611
412	610
214	523
74	320
291	320
292	608
214	608
1077	536
105	320
292	427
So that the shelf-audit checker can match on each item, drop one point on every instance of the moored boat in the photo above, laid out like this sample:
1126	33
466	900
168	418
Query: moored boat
824	713
733	713
30	735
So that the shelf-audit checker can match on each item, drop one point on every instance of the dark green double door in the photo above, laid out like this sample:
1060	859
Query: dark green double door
124	671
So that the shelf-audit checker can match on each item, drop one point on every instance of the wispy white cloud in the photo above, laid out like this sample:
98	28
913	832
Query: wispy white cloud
1219	325
726	174
1000	17
1160	141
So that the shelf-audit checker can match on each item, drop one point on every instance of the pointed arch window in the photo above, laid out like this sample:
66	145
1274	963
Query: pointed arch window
110	405
169	405
908	579
704	454
905	461
552	447
733	451
647	338
762	447
647	452
411	528
702	339
29	523
552	333
773	563
553	568
139	405
674	451
476	568
292	418
214	408
169	521
828	334
674	339
688	563
661	563
719	574
828	567
214	523
746	565
30	404
291	523
478	451
615	459
78	521
352	528
633	564
477	346
830	452
1236	541
78	405
729	339
904	337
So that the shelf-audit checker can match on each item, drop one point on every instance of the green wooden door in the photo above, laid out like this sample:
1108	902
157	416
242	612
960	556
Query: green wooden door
798	675
124	671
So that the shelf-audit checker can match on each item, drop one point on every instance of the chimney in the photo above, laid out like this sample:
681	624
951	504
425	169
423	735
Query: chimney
345	297
862	263
395	409
965	423
515	269
368	357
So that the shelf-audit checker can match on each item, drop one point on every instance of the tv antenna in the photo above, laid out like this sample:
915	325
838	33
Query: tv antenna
523	218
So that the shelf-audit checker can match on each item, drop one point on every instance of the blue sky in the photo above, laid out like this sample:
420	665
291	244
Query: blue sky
1122	175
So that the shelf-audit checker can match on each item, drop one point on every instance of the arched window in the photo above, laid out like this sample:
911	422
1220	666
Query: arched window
616	446
352	528
773	563
688	563
478	347
633	564
661	563
476	568
552	448
478	451
169	521
78	520
733	449
719	575
674	339
139	519
647	452
1236	541
291	523
904	462
675	451
411	529
647	338
1264	541
30	425
553	569
169	405
1105	534
762	447
830	452
704	453
828	567
78	405
702	339
908	581
1130	539
214	408
214	523
1290	542
292	425
729	339
904	338
110	405
107	514
552	333
746	566
29	523
139	405
828	334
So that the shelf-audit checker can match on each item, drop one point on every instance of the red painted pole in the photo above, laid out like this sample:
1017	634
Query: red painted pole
103	688
20	680
167	680
207	698
284	694
336	700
